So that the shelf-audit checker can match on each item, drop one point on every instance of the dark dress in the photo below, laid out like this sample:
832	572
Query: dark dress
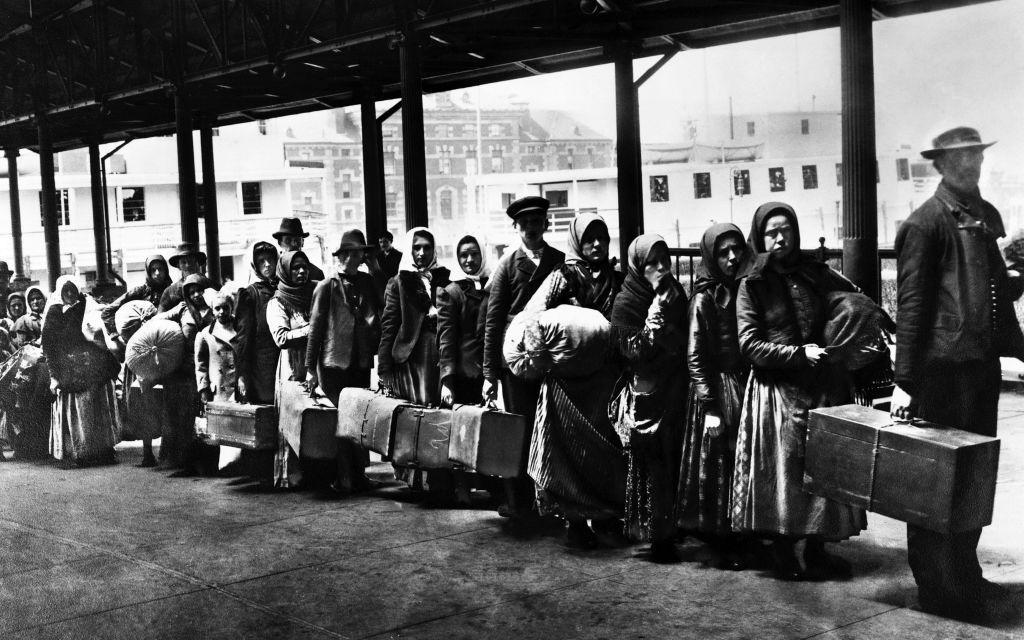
460	332
259	352
576	457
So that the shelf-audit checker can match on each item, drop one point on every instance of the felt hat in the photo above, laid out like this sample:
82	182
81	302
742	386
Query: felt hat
527	205
290	227
186	249
353	240
4	268
956	138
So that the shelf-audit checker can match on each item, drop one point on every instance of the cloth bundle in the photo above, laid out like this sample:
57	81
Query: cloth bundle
856	330
155	350
131	316
566	341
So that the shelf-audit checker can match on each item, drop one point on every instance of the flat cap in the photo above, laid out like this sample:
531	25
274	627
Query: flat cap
527	205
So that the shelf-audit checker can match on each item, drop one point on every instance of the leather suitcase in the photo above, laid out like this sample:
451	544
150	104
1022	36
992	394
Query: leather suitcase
309	425
487	442
249	426
367	418
422	437
935	477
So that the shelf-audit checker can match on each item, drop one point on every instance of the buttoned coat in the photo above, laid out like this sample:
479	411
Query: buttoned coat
460	309
218	354
514	282
406	305
339	328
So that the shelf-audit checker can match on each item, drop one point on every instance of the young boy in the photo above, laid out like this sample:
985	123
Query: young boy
217	355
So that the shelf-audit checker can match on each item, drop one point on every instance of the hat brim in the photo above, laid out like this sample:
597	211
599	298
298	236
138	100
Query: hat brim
277	234
354	247
931	154
528	211
175	259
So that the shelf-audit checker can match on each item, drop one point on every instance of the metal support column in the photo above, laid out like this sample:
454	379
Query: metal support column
210	202
186	168
413	151
860	196
627	150
373	172
48	201
99	226
12	180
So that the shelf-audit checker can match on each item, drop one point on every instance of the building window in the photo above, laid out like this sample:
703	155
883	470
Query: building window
252	200
659	188
470	161
389	163
387	132
307	200
444	201
570	158
200	201
902	169
346	185
702	185
839	174
469	130
444	163
262	126
776	179
63	208
741	182
348	214
507	199
750	128
805	126
497	162
494	130
810	172
558	198
133	204
391	204
345	153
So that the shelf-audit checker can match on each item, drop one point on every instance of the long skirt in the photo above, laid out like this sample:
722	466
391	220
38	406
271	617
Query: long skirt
83	425
418	380
142	413
576	457
286	468
768	496
706	472
178	445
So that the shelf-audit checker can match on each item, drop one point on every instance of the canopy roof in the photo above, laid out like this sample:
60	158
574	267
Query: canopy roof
108	69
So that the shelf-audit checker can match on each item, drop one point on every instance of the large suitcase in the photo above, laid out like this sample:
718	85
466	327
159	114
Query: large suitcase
367	418
422	437
309	425
249	426
487	442
935	477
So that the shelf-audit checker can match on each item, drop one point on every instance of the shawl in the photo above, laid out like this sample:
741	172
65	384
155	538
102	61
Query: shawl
157	286
482	274
256	276
798	260
296	297
709	276
596	284
55	297
632	303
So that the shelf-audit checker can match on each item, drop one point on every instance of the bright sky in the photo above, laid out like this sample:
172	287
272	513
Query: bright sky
933	71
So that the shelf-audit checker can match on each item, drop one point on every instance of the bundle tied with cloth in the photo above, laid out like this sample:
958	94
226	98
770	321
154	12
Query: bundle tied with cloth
155	351
857	337
566	341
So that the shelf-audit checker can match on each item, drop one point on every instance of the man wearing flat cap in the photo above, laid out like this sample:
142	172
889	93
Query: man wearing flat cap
955	319
515	280
291	237
188	259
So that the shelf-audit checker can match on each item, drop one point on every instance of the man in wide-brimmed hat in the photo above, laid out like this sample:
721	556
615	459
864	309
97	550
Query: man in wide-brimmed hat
291	237
188	259
956	318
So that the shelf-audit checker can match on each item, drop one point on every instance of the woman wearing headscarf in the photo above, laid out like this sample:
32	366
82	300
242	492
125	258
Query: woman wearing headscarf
288	320
718	375
15	310
179	448
157	280
459	326
576	458
649	330
407	359
259	352
780	317
82	424
28	327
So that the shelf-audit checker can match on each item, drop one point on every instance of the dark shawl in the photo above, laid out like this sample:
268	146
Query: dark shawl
157	286
296	297
709	276
797	261
595	285
632	303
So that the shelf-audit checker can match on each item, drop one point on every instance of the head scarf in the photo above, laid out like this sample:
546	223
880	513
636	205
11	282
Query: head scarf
295	296
157	285
597	283
408	263
632	303
55	297
10	298
257	249
709	276
28	294
798	260
578	228
483	273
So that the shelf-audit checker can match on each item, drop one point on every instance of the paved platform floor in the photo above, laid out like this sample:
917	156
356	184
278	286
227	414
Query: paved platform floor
122	552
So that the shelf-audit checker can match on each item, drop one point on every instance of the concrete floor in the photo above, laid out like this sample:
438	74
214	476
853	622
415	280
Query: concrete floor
121	552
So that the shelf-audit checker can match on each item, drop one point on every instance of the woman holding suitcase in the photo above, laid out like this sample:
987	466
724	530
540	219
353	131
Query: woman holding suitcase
780	317
407	360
